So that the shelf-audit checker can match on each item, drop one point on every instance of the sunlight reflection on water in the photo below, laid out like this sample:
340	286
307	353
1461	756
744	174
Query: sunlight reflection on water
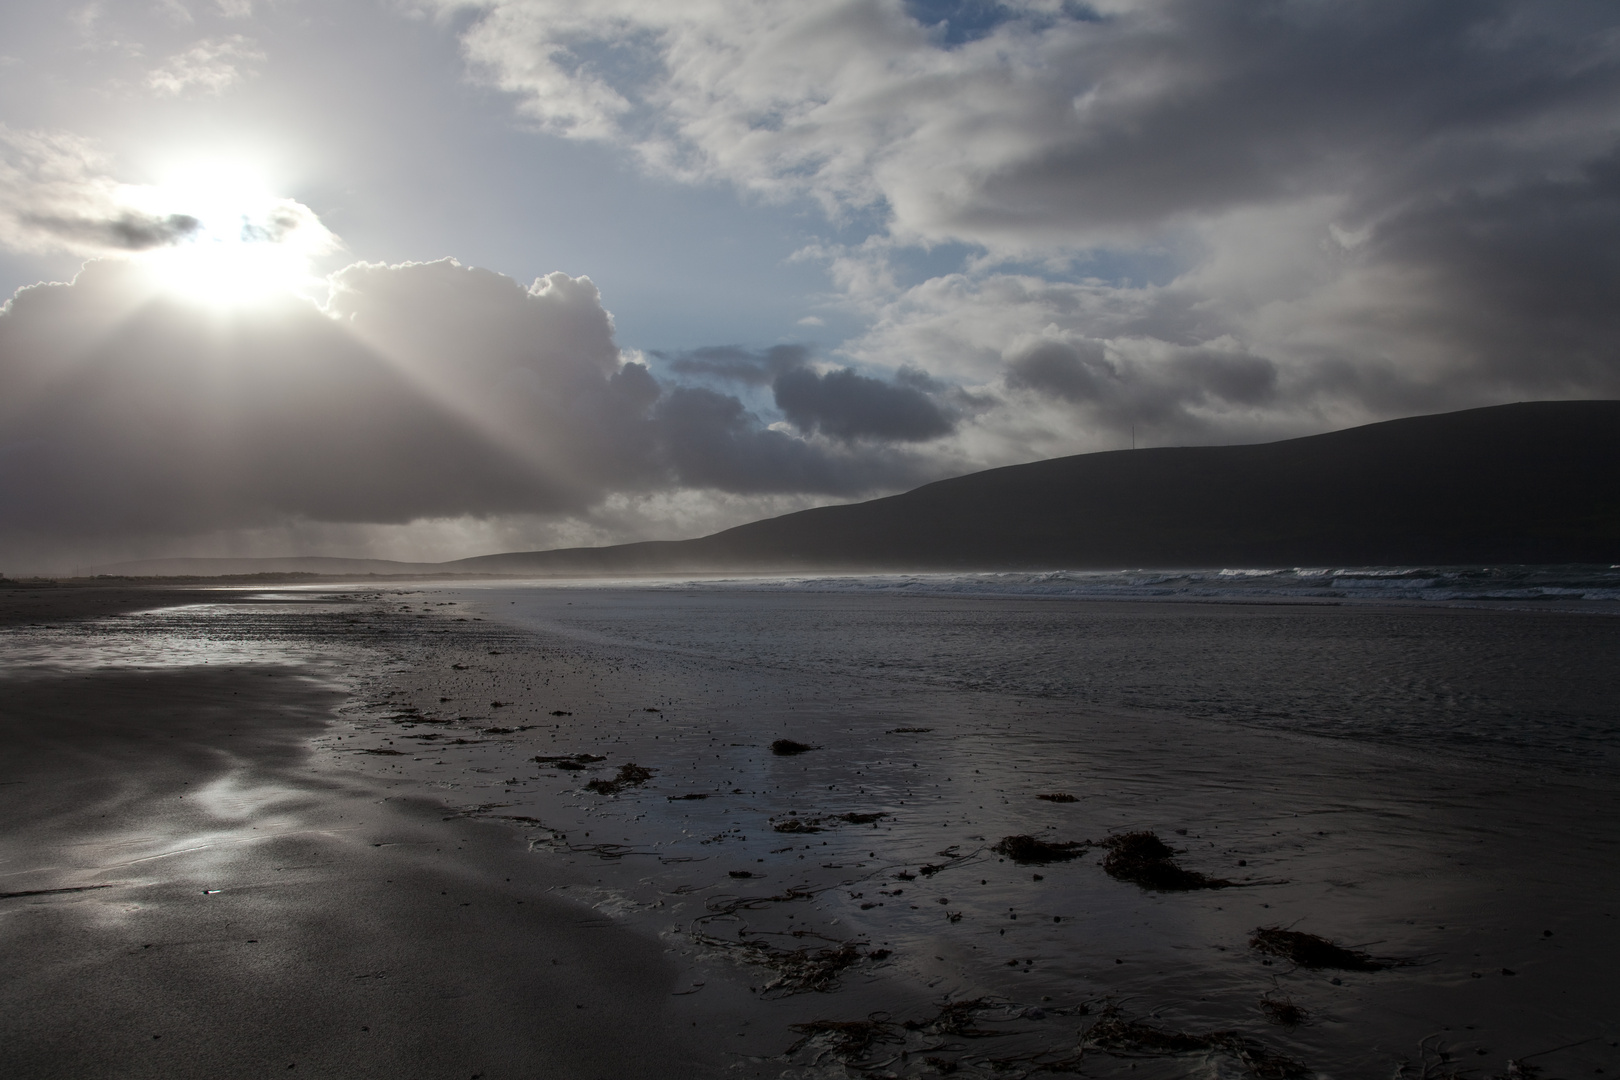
210	634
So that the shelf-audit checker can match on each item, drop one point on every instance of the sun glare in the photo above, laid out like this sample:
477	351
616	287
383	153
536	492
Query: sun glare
229	241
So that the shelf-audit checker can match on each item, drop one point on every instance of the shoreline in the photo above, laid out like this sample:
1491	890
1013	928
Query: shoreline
1389	853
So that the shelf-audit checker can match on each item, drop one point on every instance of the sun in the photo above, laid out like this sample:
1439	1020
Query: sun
223	238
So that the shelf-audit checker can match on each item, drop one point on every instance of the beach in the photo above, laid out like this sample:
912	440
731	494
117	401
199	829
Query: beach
364	783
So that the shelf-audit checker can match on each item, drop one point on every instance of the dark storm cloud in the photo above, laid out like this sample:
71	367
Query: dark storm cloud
123	232
1521	283
424	391
844	404
712	441
1193	106
733	363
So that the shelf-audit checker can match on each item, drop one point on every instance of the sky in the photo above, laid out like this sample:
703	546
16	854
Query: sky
425	279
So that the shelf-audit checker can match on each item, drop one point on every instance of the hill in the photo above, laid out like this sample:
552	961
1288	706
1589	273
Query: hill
1537	482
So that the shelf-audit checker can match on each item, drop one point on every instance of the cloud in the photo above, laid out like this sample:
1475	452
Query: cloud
58	194
209	67
733	363
421	392
1060	124
844	404
1234	218
122	230
55	194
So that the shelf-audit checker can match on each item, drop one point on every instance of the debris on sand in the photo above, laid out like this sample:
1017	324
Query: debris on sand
1058	796
795	824
910	730
959	1018
1027	850
742	873
798	971
1310	951
689	796
629	775
952	855
1283	1011
561	712
1113	1034
568	762
380	750
788	747
1116	1034
1143	859
409	719
858	1043
848	1040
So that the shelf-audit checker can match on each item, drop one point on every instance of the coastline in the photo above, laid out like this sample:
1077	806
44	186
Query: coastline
1453	866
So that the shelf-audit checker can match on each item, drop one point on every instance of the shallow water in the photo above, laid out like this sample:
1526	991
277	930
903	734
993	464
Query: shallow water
225	628
1512	683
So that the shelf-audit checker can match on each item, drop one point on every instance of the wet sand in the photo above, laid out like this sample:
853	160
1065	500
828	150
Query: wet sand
185	893
705	929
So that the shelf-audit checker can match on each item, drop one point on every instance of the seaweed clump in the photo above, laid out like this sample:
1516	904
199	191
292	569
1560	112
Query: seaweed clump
798	971
1143	859
629	775
788	747
850	1040
1283	1011
1116	1035
795	824
568	762
1310	951
1027	850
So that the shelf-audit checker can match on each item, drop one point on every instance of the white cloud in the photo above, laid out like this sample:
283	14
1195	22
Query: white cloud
209	67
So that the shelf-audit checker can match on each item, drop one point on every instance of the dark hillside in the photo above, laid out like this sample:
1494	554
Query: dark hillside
1535	482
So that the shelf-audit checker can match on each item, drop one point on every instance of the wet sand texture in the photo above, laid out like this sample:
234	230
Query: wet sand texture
1377	873
184	897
